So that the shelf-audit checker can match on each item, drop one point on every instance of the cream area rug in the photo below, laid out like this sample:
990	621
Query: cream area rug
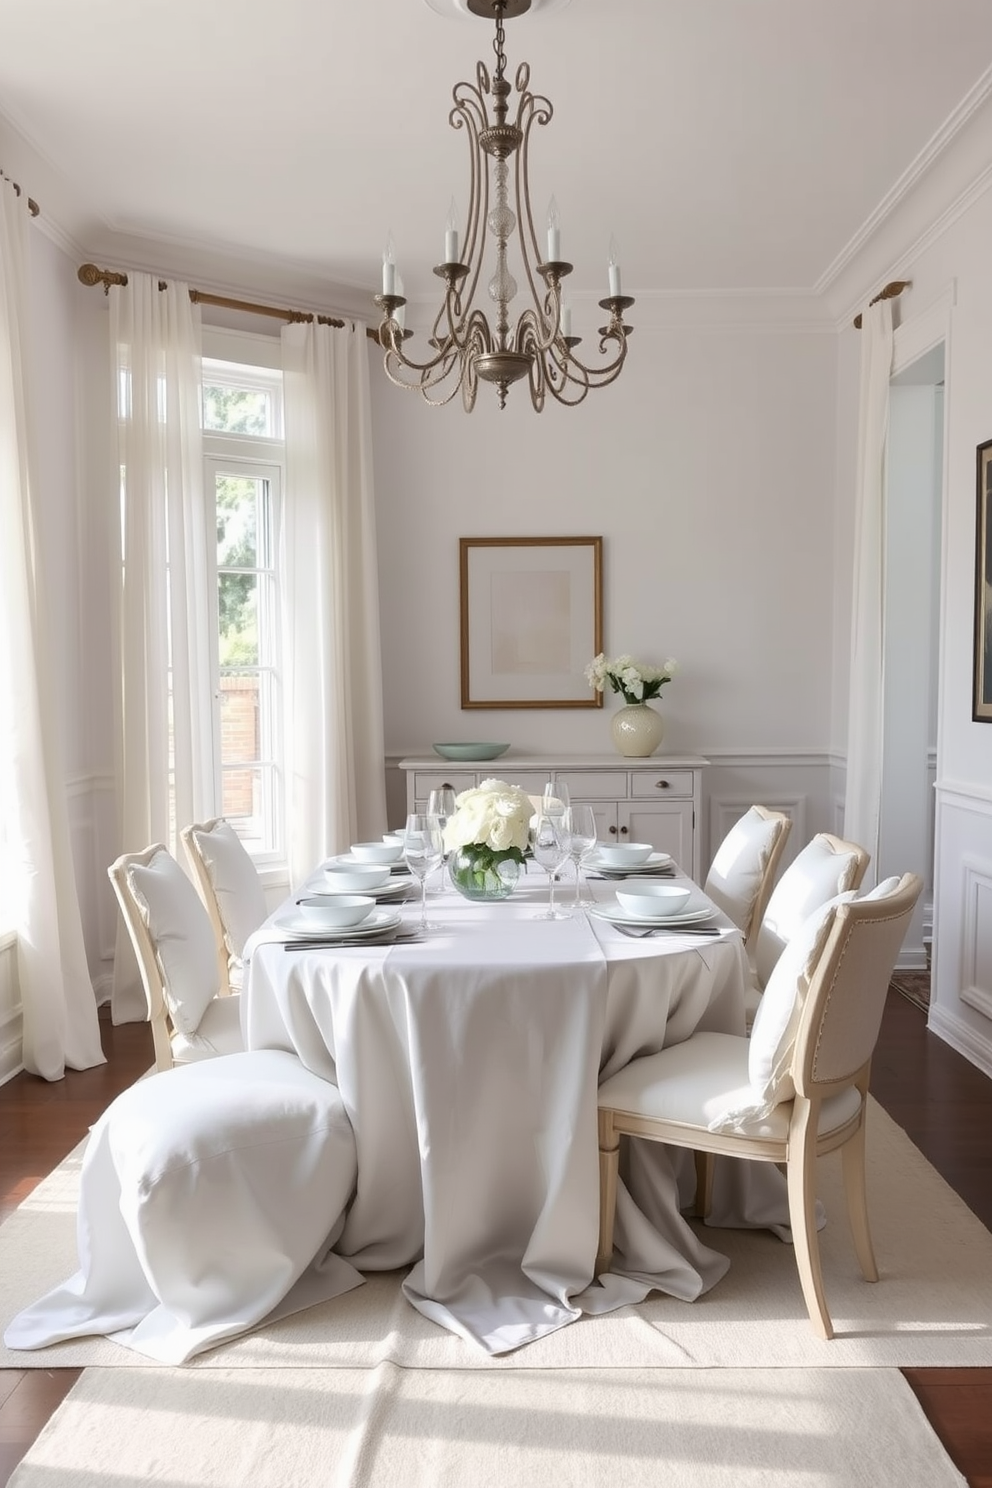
426	1428
932	1306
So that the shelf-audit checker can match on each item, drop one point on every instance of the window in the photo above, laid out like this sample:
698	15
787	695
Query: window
244	458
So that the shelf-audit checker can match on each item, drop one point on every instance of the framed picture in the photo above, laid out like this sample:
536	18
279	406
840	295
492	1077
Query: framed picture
981	708
531	621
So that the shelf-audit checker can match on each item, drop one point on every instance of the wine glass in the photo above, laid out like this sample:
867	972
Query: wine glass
549	847
555	802
580	822
555	799
441	803
422	852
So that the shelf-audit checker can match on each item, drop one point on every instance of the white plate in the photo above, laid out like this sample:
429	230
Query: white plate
384	891
628	870
618	916
300	928
347	860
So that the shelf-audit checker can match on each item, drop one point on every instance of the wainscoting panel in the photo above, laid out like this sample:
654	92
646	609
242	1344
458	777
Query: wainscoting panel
961	994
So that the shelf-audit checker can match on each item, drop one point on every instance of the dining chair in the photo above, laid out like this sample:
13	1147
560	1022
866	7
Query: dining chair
795	1089
229	887
743	870
206	1192
826	866
174	942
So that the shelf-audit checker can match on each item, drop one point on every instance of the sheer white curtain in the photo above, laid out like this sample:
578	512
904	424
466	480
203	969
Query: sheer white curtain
166	621
334	733
862	803
60	1026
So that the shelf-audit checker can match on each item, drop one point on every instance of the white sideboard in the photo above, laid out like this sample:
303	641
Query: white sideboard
656	800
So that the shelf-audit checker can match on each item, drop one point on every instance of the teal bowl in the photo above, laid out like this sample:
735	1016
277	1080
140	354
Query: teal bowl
470	751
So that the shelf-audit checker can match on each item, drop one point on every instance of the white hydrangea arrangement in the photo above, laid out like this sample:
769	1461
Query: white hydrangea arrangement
495	816
633	680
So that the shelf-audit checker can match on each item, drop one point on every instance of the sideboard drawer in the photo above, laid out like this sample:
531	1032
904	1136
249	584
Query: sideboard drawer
531	782
424	781
591	785
660	784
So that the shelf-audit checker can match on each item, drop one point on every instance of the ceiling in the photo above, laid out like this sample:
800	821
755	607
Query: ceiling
729	145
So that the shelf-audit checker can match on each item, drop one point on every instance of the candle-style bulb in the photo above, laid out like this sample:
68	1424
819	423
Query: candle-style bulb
614	268
389	266
399	314
565	319
451	235
554	232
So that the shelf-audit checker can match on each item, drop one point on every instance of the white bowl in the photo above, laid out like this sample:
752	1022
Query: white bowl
377	852
337	912
623	854
652	901
359	879
395	839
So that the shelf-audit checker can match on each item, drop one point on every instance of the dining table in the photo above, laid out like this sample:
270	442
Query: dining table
468	1060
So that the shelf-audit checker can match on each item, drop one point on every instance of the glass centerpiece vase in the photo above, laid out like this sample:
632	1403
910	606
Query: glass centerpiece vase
486	839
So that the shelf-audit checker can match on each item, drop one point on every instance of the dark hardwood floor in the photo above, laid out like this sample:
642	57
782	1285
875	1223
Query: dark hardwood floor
941	1100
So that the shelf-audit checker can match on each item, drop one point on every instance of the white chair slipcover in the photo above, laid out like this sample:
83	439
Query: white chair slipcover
210	1197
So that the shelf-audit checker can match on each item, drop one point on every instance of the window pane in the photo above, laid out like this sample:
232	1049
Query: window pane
237	520
234	410
237	600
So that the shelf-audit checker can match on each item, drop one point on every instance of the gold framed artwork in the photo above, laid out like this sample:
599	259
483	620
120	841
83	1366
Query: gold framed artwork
531	620
981	707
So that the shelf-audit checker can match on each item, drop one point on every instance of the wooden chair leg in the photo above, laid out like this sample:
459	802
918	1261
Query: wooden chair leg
802	1218
609	1169
852	1157
704	1184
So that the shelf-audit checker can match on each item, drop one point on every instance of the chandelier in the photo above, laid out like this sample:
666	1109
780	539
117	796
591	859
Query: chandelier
465	345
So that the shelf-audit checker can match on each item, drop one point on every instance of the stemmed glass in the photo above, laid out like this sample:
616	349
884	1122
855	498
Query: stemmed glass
549	846
422	852
441	803
580	822
555	800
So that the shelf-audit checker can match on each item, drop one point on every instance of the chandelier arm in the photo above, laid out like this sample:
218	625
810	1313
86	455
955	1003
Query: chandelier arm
532	109
470	113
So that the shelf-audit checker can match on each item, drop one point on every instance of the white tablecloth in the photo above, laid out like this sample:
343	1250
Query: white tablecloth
468	1063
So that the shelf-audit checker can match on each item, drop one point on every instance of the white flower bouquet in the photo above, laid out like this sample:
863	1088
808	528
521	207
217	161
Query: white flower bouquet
634	681
488	831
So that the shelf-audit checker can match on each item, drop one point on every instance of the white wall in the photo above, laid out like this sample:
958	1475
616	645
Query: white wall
708	471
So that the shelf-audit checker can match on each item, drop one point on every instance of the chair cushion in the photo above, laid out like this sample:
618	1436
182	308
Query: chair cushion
184	939
816	875
773	1034
218	1032
701	1083
208	1192
737	871
240	899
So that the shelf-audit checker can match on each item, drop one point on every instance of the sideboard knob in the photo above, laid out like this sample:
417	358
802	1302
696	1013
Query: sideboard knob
661	785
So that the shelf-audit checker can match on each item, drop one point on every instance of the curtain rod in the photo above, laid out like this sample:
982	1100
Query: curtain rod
90	275
33	206
888	293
